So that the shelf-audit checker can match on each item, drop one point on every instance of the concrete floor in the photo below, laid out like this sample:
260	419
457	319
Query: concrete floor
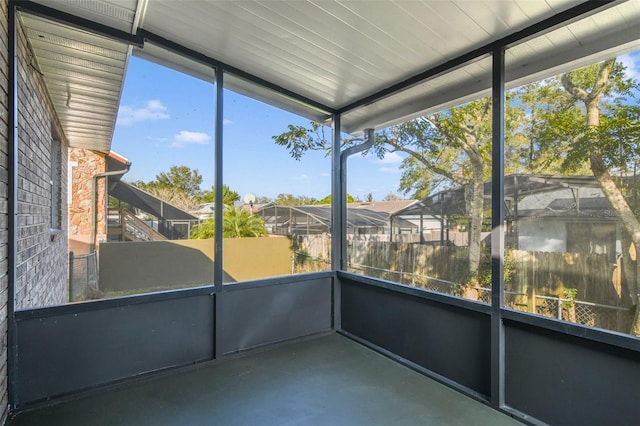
329	380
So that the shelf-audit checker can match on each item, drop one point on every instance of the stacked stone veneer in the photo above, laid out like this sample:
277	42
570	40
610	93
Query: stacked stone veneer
4	203
42	255
84	165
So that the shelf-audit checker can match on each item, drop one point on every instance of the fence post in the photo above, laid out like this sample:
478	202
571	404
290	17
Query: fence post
559	308
71	276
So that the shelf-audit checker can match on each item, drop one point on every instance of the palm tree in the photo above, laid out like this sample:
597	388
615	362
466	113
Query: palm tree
240	223
204	230
236	223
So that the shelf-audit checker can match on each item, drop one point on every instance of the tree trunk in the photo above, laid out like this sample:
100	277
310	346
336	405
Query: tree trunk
619	204
476	213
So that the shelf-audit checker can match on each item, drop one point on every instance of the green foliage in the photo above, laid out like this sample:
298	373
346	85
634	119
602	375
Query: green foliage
180	186
229	196
236	223
569	294
561	132
171	195
391	197
482	278
240	223
181	178
204	230
294	200
327	199
298	139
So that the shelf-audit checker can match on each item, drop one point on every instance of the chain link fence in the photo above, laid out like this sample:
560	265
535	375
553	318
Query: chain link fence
613	318
83	276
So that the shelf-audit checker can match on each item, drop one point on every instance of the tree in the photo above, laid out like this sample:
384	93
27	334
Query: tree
240	223
229	196
180	187
451	147
236	223
182	178
592	122
391	197
327	199
173	196
294	200
204	230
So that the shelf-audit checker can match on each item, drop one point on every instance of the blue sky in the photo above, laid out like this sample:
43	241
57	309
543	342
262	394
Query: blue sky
166	118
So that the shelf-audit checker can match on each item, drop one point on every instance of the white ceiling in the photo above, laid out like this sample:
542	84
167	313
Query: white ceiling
83	73
338	52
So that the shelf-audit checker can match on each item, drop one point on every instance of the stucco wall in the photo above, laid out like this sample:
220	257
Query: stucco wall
42	256
158	265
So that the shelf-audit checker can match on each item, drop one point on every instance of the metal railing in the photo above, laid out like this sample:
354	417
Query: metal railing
128	227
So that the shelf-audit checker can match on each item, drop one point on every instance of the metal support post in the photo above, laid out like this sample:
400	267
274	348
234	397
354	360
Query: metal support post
497	230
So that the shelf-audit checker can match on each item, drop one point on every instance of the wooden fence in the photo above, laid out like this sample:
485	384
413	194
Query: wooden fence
551	284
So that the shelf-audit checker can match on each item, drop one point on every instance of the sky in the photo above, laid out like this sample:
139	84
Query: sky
166	118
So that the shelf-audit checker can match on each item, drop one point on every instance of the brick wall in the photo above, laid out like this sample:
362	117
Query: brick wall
84	164
4	202
42	255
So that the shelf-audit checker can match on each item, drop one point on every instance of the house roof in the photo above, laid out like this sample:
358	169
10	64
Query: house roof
319	217
390	206
374	63
575	201
527	195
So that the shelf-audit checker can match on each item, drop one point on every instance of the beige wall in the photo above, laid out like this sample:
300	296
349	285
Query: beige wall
247	259
158	265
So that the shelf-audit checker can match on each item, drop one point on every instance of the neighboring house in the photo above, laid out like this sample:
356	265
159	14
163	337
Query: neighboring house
543	213
316	219
205	211
576	220
90	171
405	229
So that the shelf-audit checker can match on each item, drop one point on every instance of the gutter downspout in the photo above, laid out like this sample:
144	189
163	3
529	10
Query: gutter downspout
94	200
368	143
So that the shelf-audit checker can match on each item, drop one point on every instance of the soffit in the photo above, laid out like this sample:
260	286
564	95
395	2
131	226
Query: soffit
83	74
336	53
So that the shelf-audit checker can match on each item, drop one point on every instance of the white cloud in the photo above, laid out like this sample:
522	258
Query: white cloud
186	137
325	174
389	170
226	121
153	110
153	138
301	178
391	158
632	62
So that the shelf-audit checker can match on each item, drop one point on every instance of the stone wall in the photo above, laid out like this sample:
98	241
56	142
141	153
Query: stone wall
84	165
42	248
4	203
